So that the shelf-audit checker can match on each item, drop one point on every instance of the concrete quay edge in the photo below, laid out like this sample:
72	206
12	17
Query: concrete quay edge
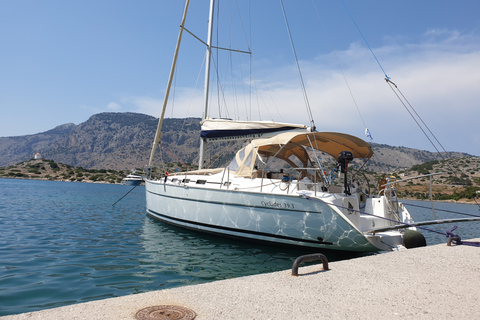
434	282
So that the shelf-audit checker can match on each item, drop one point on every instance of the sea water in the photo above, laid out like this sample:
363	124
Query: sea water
63	243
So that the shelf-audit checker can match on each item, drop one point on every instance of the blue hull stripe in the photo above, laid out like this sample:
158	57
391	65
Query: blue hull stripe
181	222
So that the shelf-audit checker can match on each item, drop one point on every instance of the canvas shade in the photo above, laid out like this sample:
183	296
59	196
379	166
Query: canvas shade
284	145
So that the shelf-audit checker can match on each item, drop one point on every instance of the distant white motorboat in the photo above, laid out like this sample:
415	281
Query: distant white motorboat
132	180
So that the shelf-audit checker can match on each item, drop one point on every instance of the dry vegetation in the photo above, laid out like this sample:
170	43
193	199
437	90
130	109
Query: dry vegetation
41	169
455	179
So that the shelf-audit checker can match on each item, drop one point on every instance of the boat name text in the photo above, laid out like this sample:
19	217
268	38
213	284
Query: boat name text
284	205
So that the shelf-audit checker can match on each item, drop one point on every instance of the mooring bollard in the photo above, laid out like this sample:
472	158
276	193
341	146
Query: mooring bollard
454	238
308	258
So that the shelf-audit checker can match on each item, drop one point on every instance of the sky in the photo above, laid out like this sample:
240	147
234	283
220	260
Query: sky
64	61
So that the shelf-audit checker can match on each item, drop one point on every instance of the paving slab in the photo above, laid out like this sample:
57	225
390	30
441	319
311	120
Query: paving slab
435	282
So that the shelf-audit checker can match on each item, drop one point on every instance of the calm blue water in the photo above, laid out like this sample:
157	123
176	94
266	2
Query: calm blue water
63	243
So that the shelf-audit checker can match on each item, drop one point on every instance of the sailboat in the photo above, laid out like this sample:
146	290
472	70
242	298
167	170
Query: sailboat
276	189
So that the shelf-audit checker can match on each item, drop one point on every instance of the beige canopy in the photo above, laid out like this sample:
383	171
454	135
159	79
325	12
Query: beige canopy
284	145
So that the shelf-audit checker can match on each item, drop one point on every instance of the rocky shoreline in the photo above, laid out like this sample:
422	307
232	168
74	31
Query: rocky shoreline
42	169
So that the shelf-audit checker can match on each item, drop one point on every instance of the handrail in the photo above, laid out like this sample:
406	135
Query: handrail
417	177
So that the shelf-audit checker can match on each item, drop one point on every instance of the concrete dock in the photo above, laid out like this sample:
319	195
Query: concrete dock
436	282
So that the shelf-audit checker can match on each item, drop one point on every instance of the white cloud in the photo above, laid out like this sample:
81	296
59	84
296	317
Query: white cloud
439	76
184	103
440	79
113	106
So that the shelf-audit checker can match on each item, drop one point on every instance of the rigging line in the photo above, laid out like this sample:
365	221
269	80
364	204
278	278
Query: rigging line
338	63
345	78
381	166
250	65
216	63
220	92
413	117
478	204
364	39
223	87
189	104
444	210
158	133
175	156
387	78
319	159
420	118
259	95
305	97
248	106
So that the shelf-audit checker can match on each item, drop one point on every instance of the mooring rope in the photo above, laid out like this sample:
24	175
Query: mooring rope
456	238
444	210
125	195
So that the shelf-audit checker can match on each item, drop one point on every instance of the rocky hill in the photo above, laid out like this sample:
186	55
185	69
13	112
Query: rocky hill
122	141
105	141
16	149
452	179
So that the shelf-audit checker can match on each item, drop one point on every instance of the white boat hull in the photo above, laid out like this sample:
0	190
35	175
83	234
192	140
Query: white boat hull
131	182
284	219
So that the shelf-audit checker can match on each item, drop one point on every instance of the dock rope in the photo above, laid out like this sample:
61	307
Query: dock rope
444	210
457	240
113	205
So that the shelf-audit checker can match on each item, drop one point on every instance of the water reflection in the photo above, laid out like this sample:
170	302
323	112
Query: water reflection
200	257
64	243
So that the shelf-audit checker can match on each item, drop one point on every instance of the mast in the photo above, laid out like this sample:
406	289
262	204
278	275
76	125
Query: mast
158	134
207	80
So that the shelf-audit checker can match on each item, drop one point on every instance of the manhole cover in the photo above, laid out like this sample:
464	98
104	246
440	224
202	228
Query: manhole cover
165	313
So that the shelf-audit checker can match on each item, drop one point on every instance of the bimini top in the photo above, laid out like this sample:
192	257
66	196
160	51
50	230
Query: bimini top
290	145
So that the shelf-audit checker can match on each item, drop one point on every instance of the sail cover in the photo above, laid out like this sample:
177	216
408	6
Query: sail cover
225	129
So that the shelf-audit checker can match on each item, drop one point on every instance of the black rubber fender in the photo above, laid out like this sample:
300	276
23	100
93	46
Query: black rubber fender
413	239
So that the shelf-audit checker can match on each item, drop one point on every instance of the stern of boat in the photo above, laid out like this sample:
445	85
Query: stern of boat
383	222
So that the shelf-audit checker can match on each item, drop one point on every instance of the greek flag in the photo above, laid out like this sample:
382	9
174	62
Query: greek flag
367	133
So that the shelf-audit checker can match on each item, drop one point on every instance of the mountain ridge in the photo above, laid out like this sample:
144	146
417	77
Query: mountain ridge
122	141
